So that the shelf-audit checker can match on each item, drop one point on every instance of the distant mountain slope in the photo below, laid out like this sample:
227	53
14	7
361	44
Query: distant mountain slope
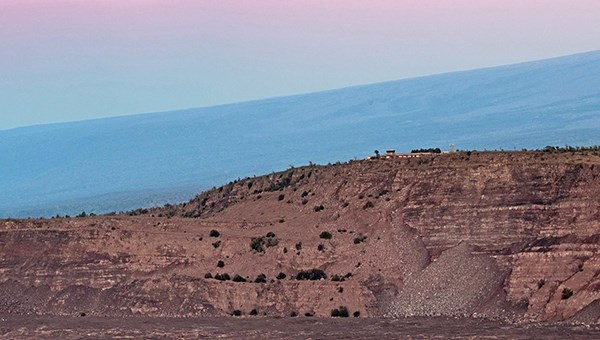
126	162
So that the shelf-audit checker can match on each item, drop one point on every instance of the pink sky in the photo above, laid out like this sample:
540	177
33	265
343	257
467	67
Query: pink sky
65	60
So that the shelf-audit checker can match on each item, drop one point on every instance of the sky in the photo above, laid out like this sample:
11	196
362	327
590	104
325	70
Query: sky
65	60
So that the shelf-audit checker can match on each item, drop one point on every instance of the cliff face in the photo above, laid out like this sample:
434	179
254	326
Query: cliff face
511	235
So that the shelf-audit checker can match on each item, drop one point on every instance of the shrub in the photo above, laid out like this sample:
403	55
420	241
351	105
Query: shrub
236	312
254	312
312	274
304	201
304	194
356	314
541	283
220	264
298	245
223	277
345	204
214	233
325	235
281	197
320	247
216	244
566	293
341	312
208	276
270	234
368	205
238	278
281	276
261	278
308	314
257	243
294	314
359	239
318	208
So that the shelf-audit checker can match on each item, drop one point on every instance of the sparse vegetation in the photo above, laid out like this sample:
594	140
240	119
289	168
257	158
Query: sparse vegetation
270	234
341	312
318	208
208	276
298	245
236	312
368	205
312	274
254	312
428	150
216	244
360	238
220	264
258	244
281	276
238	278
325	235
566	293
281	197
223	277
541	283
356	314
341	278
214	233
320	247
294	314
261	278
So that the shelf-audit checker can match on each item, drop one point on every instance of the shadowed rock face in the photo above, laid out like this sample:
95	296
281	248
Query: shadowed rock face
494	234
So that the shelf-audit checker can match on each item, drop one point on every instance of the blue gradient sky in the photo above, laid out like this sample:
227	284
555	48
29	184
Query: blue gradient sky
67	60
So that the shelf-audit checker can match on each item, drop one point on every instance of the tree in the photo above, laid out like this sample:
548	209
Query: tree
376	153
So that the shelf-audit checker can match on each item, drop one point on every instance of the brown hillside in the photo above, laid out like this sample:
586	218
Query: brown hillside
497	234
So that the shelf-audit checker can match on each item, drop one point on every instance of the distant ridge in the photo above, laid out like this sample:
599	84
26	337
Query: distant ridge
128	162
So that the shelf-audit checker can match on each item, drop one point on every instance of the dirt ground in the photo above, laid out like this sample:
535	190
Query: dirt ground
53	327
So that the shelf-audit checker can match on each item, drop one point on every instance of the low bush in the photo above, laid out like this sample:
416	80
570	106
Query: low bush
320	247
312	274
341	312
281	276
360	238
281	197
318	208
261	278
238	278
214	233
220	264
236	312
325	235
223	277
208	276
216	244
356	314
368	205
566	293
270	234
253	312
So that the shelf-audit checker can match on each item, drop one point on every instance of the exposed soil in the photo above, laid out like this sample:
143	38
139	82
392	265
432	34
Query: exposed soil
283	328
